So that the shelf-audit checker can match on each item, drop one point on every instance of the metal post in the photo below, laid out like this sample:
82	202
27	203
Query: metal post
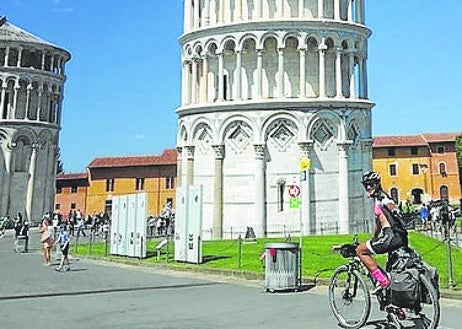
239	251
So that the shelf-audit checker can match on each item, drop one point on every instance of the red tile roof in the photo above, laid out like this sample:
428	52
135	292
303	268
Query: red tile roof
414	140
72	176
387	141
166	158
442	137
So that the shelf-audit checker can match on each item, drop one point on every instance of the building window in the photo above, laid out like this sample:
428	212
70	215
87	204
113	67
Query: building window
444	192
440	149
139	184
392	169
394	194
391	151
281	190
73	205
59	189
414	150
110	185
73	189
170	201
415	169
170	183
57	206
442	168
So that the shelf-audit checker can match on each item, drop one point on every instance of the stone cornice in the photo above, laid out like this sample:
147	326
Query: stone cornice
293	25
276	104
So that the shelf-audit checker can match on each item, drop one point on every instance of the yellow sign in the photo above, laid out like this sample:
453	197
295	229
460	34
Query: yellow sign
305	164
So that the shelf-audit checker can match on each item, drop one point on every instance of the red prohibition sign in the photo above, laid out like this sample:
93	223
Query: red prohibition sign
294	190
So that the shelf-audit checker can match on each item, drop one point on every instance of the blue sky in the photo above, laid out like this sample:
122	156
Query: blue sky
124	78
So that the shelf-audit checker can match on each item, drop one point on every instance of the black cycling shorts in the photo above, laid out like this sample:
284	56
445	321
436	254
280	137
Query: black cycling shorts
387	241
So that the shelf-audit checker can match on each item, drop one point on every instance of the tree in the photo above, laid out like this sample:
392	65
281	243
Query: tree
459	156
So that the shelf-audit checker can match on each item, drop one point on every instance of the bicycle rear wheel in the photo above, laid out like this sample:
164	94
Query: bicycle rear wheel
349	298
428	316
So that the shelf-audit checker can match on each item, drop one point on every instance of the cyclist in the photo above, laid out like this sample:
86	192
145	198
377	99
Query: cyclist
389	233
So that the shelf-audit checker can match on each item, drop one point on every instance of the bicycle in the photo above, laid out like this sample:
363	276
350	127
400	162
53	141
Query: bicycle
350	296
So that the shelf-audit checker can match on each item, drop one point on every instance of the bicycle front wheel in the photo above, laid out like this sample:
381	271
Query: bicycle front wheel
349	298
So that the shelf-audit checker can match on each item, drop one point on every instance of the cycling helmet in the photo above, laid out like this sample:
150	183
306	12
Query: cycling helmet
371	179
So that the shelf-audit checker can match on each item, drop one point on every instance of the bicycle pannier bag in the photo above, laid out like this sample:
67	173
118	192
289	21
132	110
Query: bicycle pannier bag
405	288
431	273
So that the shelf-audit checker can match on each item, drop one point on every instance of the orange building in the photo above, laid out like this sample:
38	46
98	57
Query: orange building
154	175
71	193
418	168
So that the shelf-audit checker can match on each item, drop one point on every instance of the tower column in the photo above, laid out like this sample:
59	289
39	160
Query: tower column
29	88
2	101
8	174
362	89
185	78
259	72
280	8
302	92
18	63
187	15
194	64
338	72
206	13
190	164
221	76
258	8
238	5
322	69
17	87
31	181
281	72
218	192
360	5
350	10
343	193
320	8
205	83
196	14
309	224
301	8
7	56
238	75
260	183
179	166
39	102
337	10
351	59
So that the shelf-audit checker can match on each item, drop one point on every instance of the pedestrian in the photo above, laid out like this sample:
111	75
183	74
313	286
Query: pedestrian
64	241
46	239
424	214
81	227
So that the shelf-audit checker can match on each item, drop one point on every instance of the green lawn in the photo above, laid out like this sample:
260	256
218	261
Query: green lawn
317	257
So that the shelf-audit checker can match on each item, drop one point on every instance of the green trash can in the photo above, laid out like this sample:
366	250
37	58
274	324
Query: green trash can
281	266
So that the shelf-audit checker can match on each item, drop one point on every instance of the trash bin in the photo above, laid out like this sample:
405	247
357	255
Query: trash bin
21	243
281	266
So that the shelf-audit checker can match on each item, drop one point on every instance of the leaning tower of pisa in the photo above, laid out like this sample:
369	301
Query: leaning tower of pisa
31	79
274	99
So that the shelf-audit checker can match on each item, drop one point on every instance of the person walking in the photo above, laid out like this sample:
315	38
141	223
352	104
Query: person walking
64	241
46	239
81	227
